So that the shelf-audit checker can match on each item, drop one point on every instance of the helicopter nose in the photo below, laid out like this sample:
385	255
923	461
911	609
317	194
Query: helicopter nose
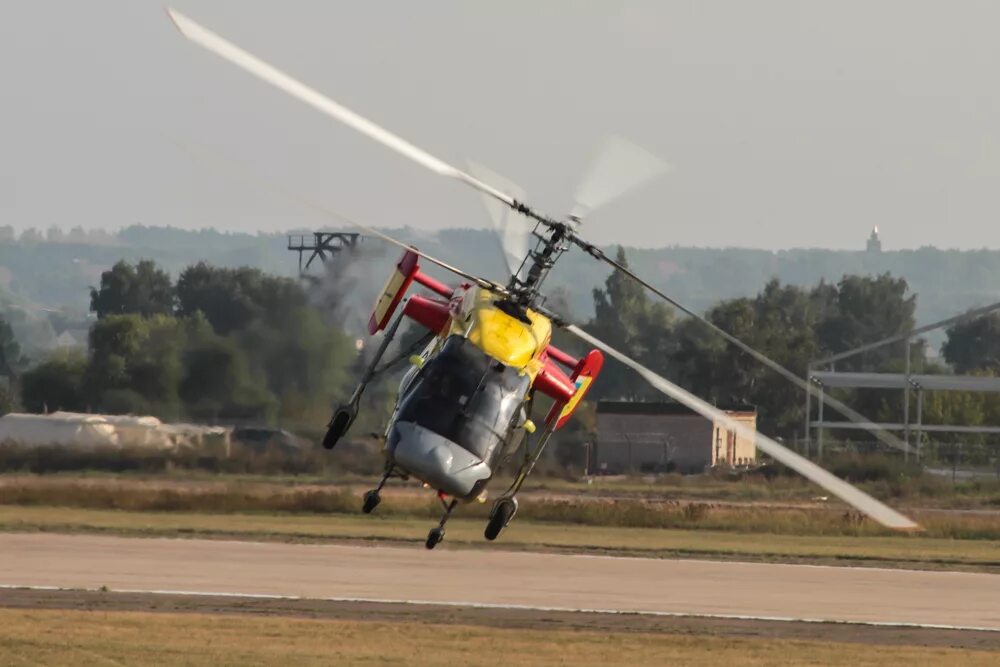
440	462
442	457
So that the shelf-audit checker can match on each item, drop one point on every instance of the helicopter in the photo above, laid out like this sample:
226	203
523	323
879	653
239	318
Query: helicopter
465	405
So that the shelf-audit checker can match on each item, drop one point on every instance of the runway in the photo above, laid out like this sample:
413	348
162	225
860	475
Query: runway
495	578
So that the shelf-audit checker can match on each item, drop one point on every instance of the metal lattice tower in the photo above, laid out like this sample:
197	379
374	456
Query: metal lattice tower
322	245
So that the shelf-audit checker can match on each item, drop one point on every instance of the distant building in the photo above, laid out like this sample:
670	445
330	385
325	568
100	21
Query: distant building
664	437
874	242
72	338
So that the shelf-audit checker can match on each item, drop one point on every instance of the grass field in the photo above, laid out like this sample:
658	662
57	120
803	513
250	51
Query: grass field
102	638
903	550
225	495
923	491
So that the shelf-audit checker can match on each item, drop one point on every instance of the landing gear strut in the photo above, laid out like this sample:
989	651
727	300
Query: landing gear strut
437	534
345	415
373	497
505	507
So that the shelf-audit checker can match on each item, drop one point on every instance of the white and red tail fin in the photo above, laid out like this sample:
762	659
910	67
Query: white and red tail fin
395	287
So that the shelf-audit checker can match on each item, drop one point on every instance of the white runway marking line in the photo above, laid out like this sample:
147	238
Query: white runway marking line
511	607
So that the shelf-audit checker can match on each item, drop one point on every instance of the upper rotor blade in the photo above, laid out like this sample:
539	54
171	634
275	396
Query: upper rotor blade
825	397
619	167
512	229
861	501
240	170
247	61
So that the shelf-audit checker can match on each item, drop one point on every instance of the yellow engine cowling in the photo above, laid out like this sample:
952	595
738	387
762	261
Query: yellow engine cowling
501	336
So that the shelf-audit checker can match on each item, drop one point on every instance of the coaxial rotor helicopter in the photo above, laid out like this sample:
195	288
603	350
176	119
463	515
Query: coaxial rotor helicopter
466	402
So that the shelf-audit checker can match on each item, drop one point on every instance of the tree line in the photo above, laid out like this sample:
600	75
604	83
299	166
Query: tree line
224	344
219	344
794	325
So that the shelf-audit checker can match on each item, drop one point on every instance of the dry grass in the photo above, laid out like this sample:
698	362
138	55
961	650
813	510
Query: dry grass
909	550
884	477
102	638
230	496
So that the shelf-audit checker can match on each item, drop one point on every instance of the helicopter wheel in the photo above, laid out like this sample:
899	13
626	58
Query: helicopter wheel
500	516
434	537
372	499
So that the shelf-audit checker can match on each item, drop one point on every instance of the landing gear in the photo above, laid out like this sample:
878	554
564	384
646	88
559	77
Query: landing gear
374	496
501	514
506	506
437	534
434	537
345	415
342	419
372	499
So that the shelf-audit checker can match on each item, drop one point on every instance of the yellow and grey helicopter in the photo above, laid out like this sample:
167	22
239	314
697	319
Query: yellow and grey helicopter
466	402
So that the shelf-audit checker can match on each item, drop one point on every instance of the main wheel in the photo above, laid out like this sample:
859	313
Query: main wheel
500	516
372	499
434	537
341	421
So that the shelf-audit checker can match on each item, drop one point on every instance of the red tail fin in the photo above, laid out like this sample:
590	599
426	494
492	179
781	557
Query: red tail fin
584	374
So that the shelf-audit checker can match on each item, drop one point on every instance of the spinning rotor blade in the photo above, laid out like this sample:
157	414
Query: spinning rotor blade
854	497
850	413
247	61
619	167
201	154
510	226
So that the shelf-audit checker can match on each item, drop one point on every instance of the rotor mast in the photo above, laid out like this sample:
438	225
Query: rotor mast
552	242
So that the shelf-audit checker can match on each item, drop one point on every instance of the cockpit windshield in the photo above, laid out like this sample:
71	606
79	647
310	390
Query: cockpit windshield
467	397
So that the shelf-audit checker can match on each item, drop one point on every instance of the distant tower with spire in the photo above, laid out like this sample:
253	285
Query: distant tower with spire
874	242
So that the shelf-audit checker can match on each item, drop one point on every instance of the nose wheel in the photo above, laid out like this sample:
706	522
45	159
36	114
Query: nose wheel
373	497
436	535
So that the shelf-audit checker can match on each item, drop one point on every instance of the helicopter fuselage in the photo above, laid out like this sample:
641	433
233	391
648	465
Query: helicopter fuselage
463	405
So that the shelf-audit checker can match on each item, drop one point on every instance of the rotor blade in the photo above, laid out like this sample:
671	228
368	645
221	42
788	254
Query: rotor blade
619	167
512	229
247	61
853	415
854	497
201	154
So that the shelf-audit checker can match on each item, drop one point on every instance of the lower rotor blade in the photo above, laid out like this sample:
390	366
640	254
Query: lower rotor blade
854	497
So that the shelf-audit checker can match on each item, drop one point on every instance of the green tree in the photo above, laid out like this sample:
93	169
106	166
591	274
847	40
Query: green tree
625	318
286	344
974	344
136	363
56	384
11	364
142	289
865	310
780	323
232	299
218	384
10	351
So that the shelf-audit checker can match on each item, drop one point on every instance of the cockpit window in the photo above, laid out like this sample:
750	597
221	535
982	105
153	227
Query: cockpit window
465	396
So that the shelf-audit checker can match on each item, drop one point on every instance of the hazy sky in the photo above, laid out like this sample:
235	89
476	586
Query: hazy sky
787	124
